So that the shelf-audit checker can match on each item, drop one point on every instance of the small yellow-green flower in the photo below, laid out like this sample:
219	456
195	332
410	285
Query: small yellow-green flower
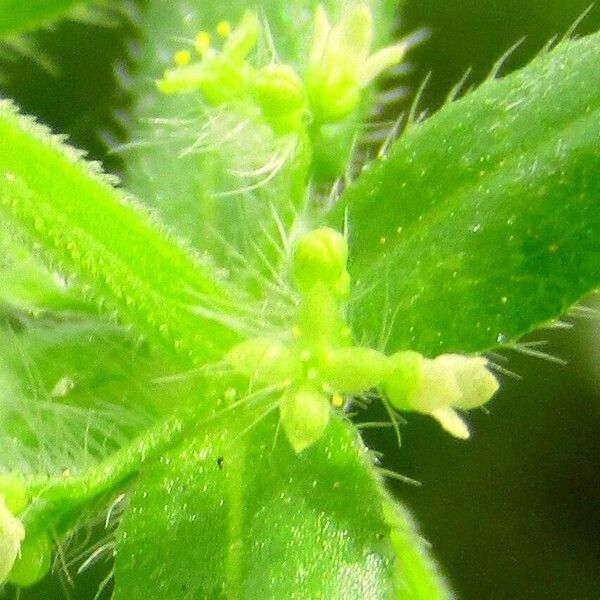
341	63
225	76
439	386
221	75
314	365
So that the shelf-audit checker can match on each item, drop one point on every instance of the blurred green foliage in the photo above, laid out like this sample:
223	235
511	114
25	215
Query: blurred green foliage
515	512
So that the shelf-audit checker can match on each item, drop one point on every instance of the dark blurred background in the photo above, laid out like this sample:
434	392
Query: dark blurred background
515	512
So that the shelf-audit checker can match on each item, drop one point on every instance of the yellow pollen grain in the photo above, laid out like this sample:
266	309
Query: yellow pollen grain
182	58
337	400
223	29
202	42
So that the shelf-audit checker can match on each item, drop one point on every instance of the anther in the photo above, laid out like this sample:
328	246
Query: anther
223	29
182	58
202	42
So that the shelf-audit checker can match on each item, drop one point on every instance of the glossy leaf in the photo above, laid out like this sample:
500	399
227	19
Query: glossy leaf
230	515
483	222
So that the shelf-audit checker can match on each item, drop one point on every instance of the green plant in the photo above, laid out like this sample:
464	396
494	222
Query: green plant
320	302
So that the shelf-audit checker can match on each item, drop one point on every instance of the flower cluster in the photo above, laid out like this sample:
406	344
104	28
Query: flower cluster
316	365
340	66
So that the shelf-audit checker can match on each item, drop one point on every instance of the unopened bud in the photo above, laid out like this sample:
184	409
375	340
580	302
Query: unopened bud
304	416
437	386
280	93
319	255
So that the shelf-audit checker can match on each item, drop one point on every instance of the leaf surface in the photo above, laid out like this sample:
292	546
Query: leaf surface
226	516
483	222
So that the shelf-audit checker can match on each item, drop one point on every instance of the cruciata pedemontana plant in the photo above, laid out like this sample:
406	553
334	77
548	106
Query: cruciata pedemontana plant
195	384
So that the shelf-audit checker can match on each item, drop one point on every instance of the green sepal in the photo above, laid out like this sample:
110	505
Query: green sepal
304	416
264	360
34	561
402	378
14	491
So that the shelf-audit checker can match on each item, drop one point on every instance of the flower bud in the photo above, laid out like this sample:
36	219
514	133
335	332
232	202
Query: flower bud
304	416
340	64
437	386
280	93
335	60
319	255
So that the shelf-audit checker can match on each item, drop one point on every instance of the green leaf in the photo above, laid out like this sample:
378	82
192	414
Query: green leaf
19	16
483	222
85	228
232	515
416	574
73	392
